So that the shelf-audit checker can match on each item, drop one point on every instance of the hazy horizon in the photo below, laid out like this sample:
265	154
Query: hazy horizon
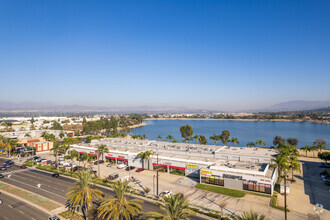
222	55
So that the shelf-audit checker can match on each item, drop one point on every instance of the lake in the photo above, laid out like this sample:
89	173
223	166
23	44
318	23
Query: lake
245	131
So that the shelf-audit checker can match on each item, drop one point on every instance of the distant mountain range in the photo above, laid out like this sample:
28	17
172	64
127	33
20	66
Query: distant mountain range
295	106
44	107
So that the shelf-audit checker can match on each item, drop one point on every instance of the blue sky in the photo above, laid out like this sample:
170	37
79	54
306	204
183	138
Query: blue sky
227	55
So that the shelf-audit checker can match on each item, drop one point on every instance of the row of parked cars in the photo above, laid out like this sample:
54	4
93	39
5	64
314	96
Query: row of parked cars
325	176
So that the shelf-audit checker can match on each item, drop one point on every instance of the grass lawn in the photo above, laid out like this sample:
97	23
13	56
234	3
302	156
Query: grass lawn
70	215
221	190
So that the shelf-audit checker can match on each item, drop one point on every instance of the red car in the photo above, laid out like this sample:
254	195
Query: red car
139	170
23	167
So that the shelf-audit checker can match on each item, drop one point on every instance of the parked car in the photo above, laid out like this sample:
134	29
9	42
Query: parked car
110	164
7	165
113	176
121	166
325	165
1	176
125	178
3	168
55	175
39	160
10	162
53	217
100	161
139	170
23	167
165	193
130	168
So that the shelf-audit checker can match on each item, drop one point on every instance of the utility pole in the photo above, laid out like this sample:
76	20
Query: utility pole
285	211
157	177
98	160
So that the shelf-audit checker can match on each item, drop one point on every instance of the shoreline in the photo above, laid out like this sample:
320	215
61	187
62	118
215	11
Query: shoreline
235	119
134	126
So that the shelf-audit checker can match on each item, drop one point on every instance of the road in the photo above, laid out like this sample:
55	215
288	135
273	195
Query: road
12	208
54	188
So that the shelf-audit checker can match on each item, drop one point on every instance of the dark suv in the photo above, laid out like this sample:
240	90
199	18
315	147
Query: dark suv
130	168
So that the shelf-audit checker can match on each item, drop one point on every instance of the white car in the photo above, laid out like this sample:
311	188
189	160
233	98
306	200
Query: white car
121	166
165	193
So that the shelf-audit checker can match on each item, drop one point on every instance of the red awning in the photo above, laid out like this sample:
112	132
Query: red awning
173	167
110	157
82	152
92	154
122	159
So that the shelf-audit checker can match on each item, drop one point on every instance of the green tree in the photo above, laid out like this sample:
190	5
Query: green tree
196	138
306	148
62	135
215	138
56	126
56	148
224	137
119	207
292	141
71	155
293	164
101	150
324	156
261	142
159	137
186	132
145	156
277	140
202	139
175	207
80	197
320	144
169	137
234	141
249	216
280	161
250	144
313	148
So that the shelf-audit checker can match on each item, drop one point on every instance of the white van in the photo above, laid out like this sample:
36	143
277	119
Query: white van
125	178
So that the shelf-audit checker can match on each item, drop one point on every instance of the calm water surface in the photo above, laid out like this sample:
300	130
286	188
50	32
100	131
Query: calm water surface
245	131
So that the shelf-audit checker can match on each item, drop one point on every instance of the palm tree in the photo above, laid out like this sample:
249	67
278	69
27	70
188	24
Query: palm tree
215	138
144	137
250	144
234	141
56	148
174	141
175	207
249	216
294	164
169	137
313	148
72	154
280	162
159	137
306	148
61	135
196	138
261	142
145	156
119	207
80	196
100	152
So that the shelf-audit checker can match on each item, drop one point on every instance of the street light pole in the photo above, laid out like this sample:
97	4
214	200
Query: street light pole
285	210
157	175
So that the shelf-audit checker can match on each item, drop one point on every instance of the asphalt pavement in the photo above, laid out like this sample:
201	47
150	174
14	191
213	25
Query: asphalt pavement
12	208
55	188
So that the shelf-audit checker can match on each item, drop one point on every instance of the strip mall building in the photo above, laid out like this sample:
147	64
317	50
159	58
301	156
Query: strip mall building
230	167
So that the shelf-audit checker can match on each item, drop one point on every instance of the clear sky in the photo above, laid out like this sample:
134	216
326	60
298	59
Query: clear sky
227	55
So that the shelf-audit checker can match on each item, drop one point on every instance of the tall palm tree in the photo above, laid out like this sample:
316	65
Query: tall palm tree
145	156
261	142
119	207
280	161
80	196
56	148
294	164
169	137
250	144
306	148
175	207
196	138
249	216
313	148
215	138
234	141
100	152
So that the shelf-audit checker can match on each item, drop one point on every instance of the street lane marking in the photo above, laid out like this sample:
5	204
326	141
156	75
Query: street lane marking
21	212
10	206
38	188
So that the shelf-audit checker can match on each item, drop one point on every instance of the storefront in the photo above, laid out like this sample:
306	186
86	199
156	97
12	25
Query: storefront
169	169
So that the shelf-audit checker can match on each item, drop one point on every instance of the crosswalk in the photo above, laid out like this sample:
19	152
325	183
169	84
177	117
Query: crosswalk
15	171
